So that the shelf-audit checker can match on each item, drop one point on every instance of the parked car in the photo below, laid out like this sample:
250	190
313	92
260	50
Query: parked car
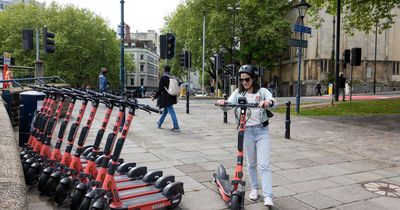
201	94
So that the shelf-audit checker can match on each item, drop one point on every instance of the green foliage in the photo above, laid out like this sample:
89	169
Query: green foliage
84	43
362	15
261	31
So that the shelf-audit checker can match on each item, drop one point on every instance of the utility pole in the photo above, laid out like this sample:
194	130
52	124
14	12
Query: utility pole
122	67
338	9
204	51
376	40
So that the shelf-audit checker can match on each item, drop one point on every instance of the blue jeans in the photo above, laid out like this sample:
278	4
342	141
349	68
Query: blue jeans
171	111
257	152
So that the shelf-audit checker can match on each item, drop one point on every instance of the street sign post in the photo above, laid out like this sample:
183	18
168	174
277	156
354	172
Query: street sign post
302	29
296	43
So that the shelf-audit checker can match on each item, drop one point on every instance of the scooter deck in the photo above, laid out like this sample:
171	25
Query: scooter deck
131	184
136	192
138	202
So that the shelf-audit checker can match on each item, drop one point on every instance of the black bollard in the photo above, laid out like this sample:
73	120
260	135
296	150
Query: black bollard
287	122
225	112
187	100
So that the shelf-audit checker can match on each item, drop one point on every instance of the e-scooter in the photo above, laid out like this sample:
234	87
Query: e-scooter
227	188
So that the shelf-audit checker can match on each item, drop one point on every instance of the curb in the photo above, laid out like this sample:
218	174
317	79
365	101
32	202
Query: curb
12	184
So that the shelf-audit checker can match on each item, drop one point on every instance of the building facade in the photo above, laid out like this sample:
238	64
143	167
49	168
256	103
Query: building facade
142	49
318	64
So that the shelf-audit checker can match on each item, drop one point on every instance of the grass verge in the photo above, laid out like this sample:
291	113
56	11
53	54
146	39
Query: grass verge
354	108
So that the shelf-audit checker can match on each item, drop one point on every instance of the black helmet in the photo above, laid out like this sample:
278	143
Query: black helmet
249	69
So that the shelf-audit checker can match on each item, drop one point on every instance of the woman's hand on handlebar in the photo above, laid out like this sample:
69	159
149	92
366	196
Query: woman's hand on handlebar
221	102
266	103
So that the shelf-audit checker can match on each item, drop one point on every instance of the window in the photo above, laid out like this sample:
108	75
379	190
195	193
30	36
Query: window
396	70
132	81
141	67
324	65
141	82
141	56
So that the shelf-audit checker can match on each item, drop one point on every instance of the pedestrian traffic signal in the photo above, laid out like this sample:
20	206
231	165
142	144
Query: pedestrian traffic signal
27	39
222	61
170	46
185	59
48	41
188	59
182	60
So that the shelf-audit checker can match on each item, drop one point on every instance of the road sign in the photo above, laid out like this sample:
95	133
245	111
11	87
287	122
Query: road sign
7	58
303	29
296	43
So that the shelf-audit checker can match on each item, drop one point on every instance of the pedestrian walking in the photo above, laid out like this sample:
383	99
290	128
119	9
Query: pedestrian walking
166	101
318	89
103	84
256	136
341	85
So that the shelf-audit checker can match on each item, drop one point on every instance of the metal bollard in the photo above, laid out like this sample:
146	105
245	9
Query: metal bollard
225	112
287	122
187	100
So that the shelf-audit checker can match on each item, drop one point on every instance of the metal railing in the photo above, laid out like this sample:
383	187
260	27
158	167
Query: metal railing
39	79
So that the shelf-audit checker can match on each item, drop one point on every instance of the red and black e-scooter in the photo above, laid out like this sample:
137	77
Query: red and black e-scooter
59	167
40	122
56	153
32	151
33	173
170	197
227	188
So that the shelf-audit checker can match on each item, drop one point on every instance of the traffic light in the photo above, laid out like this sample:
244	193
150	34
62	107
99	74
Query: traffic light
27	39
185	59
48	41
182	57
163	46
170	46
188	59
218	61
222	61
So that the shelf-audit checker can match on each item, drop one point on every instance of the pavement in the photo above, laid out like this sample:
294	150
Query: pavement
328	163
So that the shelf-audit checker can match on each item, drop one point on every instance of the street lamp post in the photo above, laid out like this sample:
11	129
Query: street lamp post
302	8
204	52
234	8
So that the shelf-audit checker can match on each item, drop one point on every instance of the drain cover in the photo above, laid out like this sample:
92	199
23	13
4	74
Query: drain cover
383	188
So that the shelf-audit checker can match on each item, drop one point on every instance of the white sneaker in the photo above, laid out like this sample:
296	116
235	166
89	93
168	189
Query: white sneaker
253	194
268	201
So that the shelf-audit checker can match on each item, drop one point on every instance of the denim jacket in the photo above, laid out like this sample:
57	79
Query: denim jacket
264	95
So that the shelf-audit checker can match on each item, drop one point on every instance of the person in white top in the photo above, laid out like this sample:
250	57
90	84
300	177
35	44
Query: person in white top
256	136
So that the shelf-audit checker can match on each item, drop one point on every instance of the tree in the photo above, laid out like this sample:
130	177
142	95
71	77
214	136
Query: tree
261	31
84	43
362	15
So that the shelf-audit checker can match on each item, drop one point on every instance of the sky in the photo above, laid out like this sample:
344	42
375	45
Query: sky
140	15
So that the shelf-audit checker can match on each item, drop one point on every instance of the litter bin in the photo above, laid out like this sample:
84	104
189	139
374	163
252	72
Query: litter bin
31	101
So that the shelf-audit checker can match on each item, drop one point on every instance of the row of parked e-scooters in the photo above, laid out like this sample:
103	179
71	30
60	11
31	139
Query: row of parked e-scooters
92	177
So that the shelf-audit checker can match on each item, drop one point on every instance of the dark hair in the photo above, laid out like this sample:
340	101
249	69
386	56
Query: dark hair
167	68
253	73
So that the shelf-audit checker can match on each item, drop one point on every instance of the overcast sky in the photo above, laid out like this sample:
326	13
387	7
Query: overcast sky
140	15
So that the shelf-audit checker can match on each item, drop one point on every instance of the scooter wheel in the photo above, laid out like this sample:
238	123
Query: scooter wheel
61	193
42	182
31	177
175	204
51	187
77	197
25	168
86	204
235	202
